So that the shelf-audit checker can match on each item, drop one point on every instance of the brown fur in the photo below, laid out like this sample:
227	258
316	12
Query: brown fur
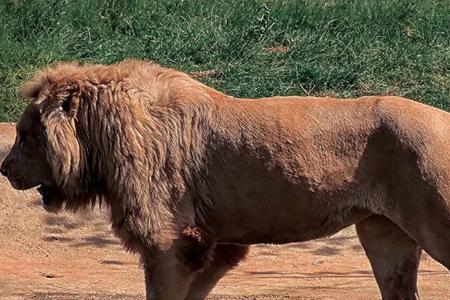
187	169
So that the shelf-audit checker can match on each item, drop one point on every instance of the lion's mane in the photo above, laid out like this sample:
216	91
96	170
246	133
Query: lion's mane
120	134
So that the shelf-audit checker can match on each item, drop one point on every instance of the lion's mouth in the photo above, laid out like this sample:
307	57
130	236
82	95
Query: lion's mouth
16	182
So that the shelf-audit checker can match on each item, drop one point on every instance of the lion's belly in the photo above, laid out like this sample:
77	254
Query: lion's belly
255	205
280	220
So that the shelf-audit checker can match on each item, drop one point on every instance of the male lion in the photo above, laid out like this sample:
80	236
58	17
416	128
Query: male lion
193	176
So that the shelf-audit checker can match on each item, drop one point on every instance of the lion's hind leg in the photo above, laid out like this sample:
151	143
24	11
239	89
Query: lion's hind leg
432	233
426	219
394	257
225	257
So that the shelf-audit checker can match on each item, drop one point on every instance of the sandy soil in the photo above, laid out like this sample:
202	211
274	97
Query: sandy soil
46	256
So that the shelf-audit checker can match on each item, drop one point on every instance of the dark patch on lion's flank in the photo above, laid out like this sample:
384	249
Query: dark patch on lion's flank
198	251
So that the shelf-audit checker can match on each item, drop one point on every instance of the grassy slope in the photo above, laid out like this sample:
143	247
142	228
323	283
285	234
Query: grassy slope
340	47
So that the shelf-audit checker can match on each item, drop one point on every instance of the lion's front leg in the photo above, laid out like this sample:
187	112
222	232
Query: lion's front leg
170	272
225	258
167	276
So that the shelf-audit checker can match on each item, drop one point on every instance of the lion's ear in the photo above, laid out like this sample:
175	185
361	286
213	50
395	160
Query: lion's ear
68	94
32	88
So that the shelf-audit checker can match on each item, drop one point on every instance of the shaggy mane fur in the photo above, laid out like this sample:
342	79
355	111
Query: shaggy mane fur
130	140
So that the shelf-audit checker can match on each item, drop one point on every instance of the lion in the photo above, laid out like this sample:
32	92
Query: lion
193	176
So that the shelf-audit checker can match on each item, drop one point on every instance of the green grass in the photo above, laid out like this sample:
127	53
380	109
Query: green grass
335	47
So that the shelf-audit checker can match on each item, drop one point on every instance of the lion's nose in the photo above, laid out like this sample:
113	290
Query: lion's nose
4	168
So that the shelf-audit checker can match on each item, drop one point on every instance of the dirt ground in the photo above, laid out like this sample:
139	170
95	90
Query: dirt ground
47	256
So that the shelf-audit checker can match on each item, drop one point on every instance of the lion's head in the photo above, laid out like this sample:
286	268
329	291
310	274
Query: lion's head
48	151
97	132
